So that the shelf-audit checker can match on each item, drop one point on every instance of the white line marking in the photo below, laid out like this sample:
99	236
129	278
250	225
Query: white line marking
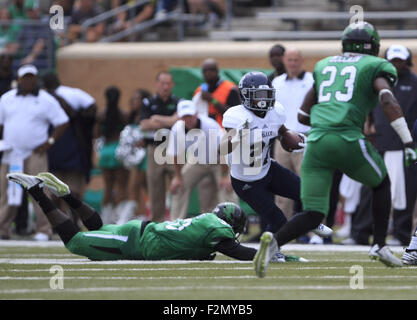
289	247
216	288
201	277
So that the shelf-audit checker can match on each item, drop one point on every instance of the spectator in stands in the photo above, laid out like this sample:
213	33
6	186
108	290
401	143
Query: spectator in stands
8	32
158	112
276	54
110	124
67	5
6	73
140	13
291	87
35	44
70	157
24	9
190	169
25	116
88	9
213	9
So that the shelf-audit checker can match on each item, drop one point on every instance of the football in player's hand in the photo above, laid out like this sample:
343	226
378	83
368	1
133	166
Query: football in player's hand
290	140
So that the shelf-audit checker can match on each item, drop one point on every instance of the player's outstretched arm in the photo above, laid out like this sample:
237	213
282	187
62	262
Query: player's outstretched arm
309	101
232	249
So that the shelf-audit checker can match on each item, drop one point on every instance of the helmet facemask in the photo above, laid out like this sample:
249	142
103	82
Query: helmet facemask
258	99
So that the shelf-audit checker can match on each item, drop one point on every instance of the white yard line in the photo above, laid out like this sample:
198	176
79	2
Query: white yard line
207	277
288	247
214	288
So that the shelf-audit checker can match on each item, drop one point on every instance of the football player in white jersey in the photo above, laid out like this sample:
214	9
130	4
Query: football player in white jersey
256	177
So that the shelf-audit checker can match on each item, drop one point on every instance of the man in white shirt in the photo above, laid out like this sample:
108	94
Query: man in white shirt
193	142
291	88
26	114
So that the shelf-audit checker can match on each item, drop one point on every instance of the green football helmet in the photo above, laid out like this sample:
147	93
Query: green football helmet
233	215
361	37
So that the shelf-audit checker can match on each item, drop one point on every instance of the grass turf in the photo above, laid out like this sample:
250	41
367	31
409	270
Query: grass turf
25	273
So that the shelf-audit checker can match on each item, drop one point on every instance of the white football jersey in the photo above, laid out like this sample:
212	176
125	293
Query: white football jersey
251	160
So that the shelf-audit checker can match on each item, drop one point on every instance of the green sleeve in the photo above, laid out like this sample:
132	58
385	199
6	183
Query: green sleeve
386	70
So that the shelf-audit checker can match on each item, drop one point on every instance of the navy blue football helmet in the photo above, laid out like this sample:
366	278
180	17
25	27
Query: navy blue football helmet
256	92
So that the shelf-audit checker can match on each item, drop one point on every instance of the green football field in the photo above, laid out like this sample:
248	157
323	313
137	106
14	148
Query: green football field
30	270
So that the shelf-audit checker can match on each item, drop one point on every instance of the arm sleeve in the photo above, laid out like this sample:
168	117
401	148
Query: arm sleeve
231	248
387	71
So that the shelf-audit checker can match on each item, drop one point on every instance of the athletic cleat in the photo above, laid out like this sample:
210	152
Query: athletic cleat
323	231
410	257
278	257
384	255
53	184
294	258
25	180
373	252
266	251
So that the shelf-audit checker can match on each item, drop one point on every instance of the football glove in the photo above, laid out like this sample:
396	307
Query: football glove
410	156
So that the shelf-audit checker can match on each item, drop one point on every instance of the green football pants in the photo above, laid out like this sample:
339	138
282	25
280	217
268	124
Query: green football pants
358	159
110	242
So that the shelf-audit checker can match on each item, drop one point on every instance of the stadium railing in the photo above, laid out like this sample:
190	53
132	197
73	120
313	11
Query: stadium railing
177	16
45	61
296	17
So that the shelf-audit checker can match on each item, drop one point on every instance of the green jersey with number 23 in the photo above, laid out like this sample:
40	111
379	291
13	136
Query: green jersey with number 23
345	93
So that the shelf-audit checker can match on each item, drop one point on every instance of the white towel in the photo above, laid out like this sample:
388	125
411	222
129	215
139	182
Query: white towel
202	106
351	190
395	166
14	190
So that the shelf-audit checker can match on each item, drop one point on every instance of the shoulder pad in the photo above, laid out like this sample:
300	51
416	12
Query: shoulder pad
236	117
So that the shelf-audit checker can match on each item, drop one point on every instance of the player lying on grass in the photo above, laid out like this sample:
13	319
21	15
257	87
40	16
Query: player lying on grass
195	238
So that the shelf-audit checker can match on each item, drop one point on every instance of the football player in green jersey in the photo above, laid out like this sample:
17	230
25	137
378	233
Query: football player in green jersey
347	87
195	238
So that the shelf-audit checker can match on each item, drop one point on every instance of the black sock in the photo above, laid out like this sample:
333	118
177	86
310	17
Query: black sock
73	202
381	208
66	230
94	222
44	202
298	225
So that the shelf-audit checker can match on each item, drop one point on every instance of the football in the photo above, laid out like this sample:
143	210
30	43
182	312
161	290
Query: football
290	140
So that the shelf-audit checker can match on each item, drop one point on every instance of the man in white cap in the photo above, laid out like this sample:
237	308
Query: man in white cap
193	142
26	113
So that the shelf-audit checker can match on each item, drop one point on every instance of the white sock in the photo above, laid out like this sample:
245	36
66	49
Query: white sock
413	243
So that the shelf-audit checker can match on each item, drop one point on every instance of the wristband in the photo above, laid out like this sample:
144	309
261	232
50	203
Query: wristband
303	113
400	126
382	92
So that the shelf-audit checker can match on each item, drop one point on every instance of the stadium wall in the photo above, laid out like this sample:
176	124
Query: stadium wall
94	67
